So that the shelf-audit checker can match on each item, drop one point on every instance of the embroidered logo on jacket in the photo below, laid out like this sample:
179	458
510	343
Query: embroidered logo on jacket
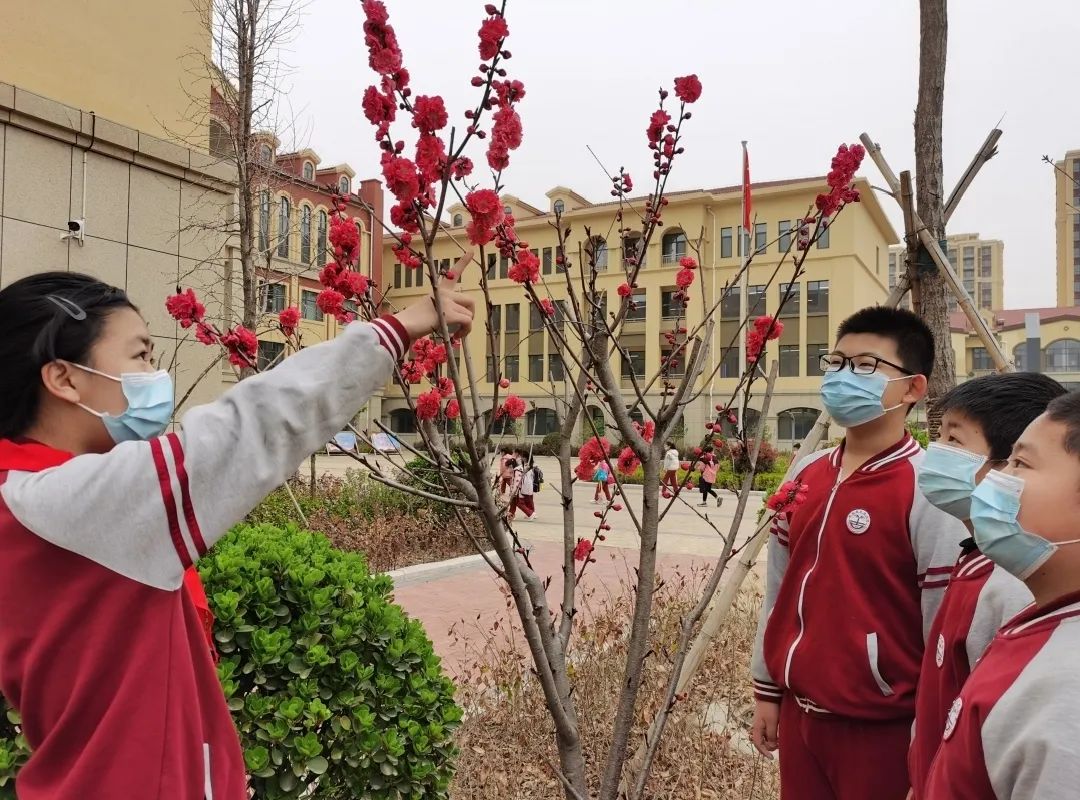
858	521
954	715
939	654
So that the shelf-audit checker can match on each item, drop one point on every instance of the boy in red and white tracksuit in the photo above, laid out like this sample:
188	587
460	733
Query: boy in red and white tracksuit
1014	731
855	576
981	420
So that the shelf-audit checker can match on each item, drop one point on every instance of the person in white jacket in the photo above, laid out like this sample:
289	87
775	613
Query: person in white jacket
671	467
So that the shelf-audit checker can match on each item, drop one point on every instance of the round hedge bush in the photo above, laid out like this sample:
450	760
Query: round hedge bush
330	685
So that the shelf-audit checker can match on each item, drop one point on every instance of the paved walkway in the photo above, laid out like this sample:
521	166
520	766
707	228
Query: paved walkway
459	603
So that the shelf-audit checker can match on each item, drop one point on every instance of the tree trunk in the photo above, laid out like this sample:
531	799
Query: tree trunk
932	292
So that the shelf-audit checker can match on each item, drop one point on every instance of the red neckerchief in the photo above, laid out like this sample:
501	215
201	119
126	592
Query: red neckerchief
29	456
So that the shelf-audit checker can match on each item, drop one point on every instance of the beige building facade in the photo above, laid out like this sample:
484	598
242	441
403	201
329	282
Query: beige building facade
1067	228
846	271
979	263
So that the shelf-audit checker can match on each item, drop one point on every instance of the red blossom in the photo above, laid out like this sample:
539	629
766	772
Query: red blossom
344	239
647	431
625	290
755	343
684	277
380	110
688	262
445	386
506	135
427	405
657	122
547	307
583	549
204	333
430	157
242	346
596	449
462	168
352	282
527	268
429	114
513	407
769	326
688	88
788	497
288	320
453	410
627	463
401	179
331	301
412	371
384	54
844	165
185	308
487	212
492	31
504	383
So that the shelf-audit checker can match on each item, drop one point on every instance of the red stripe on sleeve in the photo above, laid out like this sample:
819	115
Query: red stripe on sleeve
185	495
165	484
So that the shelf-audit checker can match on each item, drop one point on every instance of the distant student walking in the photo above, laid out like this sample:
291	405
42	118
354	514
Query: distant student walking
710	466
602	476
671	467
524	487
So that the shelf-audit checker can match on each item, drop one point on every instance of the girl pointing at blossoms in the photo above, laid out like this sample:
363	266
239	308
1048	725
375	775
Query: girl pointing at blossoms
101	512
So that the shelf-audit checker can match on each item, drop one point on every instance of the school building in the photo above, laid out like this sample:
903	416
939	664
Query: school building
979	263
845	271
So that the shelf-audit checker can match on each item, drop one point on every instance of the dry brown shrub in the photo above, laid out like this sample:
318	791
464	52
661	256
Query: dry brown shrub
507	742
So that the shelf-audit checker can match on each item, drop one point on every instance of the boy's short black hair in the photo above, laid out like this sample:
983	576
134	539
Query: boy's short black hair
1066	410
913	339
1003	405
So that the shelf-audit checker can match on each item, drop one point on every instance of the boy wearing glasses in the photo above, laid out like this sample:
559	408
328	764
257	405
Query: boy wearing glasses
855	576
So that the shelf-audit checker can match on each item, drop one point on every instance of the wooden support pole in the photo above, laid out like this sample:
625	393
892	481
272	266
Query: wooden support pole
911	236
982	330
986	152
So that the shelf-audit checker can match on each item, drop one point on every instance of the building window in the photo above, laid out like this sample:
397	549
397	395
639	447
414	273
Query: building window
633	363
729	304
558	207
1062	356
402	420
266	155
814	352
791	306
823	238
343	185
536	319
458	220
541	422
320	243
795	423
725	242
495	318
980	359
729	364
633	252
493	263
817	297
513	318
284	228
305	235
892	270
636	311
504	266
547	261
675	365
1020	357
220	143
785	235
309	306
969	263
673	246
264	221
789	361
986	295
269	355
670	308
556	372
536	369
755	301
491	377
761	237
986	262
274	297
510	367
309	171
598	251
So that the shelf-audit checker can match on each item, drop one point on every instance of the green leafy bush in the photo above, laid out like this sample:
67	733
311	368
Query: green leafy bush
13	749
332	688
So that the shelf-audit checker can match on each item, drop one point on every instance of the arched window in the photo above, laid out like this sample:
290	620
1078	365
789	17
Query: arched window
402	420
597	247
458	220
305	235
309	171
1062	356
343	184
360	249
795	423
752	418
264	221
596	414
633	252
559	207
320	256
266	155
541	422
284	228
220	144
673	246
1020	358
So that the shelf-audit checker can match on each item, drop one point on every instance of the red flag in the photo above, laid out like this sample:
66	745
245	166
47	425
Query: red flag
746	204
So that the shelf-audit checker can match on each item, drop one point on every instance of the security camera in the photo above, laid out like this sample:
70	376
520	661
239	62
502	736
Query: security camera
76	230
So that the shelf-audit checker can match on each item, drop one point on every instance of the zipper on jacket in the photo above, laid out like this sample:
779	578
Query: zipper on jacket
806	578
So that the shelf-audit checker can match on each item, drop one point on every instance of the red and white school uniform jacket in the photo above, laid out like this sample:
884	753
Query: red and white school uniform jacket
101	651
1014	731
855	576
979	599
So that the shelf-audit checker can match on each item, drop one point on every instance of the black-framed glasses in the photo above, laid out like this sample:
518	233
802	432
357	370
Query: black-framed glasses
864	364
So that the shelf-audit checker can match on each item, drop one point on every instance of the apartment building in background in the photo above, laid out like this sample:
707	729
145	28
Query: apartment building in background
845	271
979	263
1067	227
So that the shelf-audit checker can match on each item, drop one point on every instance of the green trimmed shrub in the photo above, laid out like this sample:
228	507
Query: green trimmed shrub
335	692
13	749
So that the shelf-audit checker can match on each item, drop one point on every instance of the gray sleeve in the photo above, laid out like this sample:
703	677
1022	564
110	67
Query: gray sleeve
765	688
147	510
1031	737
1003	596
935	542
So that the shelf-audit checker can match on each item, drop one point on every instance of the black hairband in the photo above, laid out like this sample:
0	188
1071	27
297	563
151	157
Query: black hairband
67	306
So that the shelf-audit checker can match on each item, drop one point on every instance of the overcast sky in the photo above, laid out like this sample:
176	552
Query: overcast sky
795	78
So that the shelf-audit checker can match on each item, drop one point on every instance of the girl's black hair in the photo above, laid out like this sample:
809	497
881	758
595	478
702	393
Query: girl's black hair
47	317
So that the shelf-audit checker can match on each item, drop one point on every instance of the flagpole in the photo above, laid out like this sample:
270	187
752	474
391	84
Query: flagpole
744	283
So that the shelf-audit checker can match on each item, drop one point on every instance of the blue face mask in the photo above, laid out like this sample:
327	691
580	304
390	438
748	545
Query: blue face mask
947	478
150	405
854	400
995	504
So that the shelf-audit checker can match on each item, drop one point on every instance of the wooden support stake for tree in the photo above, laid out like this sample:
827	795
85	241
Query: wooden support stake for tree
986	152
982	330
911	237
